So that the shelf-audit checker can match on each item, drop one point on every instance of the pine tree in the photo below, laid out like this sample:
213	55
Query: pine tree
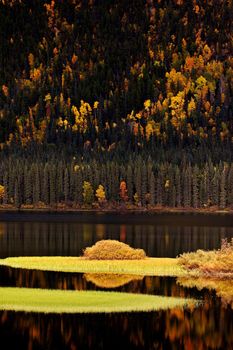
143	183
195	190
52	185
229	187
152	189
159	189
45	194
138	182
66	185
17	199
222	203
60	180
88	193
215	187
5	184
178	187
78	195
27	185
129	181
36	186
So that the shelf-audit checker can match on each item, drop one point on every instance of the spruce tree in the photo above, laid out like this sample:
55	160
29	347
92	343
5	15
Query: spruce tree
129	181
5	184
178	186
222	203
36	186
66	185
195	189
46	191
52	185
152	189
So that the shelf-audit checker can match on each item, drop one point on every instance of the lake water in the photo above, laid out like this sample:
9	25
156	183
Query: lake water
208	326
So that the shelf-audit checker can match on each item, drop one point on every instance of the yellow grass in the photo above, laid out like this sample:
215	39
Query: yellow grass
213	263
60	301
147	266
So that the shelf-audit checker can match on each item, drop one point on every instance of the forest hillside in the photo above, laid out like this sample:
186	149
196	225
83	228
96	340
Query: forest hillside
135	96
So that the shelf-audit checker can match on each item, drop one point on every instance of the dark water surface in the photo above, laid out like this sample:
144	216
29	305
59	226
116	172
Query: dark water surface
208	326
68	234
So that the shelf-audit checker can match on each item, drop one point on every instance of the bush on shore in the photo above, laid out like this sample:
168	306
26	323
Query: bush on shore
113	250
215	262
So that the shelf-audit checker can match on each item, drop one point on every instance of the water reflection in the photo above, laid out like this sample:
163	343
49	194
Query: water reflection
210	327
155	285
223	287
110	280
70	238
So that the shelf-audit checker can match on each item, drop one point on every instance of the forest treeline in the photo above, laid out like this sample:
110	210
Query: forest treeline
133	96
140	182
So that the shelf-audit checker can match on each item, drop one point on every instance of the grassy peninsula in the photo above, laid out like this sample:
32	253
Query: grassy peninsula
60	301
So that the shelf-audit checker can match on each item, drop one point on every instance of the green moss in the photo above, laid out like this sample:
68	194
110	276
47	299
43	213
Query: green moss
148	266
60	301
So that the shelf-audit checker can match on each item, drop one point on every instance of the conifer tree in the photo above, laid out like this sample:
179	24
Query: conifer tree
88	193
5	185
17	197
222	195
46	186
27	185
78	196
36	186
178	187
195	190
152	189
129	181
66	185
229	187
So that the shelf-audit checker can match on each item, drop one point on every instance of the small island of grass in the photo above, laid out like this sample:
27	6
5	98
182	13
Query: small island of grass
68	301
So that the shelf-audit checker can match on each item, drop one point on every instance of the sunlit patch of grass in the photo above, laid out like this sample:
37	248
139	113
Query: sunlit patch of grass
60	301
111	280
215	263
147	266
223	287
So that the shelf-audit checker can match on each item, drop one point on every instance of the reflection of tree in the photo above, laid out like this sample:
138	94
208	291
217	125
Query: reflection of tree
110	280
209	326
70	238
205	327
223	288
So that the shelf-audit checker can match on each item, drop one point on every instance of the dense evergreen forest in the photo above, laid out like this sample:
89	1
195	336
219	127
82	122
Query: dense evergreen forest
107	103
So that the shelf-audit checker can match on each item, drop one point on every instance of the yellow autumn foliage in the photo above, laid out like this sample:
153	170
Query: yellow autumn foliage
100	194
2	191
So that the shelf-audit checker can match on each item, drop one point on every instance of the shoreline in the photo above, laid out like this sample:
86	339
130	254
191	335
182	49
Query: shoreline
117	210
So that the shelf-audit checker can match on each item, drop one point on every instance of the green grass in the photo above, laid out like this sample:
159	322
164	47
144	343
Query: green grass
60	301
146	267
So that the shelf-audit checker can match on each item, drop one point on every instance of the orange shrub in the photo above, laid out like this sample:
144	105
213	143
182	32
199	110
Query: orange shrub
113	250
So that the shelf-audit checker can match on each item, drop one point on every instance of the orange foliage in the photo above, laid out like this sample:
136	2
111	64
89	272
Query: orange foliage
123	191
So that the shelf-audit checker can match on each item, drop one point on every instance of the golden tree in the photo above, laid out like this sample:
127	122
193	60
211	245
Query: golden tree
100	194
2	191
